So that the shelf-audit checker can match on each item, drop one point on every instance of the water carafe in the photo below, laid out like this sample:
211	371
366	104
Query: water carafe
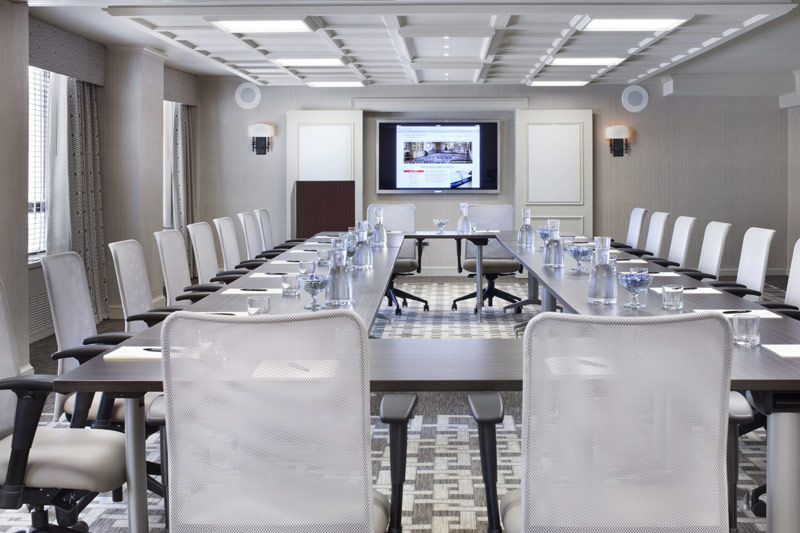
526	235
463	220
362	259
603	277
553	247
340	279
379	231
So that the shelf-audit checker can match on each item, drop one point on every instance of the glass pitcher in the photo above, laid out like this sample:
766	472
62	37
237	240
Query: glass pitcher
362	258
603	277
553	247
340	279
379	232
463	220
526	236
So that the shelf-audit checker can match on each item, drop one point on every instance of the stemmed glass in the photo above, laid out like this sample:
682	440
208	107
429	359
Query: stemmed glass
314	284
544	233
441	223
636	281
580	252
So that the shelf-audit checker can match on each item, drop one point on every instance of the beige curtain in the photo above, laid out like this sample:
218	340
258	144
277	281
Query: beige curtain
183	172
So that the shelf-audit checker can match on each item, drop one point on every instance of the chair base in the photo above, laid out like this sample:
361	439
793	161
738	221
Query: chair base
392	295
490	292
522	303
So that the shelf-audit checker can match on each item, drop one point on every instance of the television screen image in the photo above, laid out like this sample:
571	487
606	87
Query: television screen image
435	157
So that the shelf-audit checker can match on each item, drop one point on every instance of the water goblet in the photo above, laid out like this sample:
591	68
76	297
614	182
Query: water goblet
441	223
636	281
580	252
544	233
314	284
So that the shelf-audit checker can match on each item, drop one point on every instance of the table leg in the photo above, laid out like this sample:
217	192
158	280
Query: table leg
479	279
548	301
533	287
783	472
136	465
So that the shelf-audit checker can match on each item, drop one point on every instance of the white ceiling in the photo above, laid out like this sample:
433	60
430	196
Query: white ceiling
383	42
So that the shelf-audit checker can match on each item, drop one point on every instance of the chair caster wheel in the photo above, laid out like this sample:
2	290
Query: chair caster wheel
454	307
475	311
405	303
426	308
759	508
398	312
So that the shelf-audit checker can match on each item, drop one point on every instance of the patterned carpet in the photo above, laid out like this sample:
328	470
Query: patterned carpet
444	489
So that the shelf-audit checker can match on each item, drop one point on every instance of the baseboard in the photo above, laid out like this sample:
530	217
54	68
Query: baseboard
115	310
26	370
41	334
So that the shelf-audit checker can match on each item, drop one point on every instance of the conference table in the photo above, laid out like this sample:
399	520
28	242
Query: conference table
469	364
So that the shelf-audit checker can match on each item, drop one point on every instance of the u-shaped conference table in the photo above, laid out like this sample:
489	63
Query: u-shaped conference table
470	364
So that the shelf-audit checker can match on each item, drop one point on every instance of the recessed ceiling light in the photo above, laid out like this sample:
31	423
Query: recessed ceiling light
446	54
753	20
651	70
710	41
262	26
678	57
446	36
587	61
692	50
447	46
633	24
645	41
309	62
335	84
558	83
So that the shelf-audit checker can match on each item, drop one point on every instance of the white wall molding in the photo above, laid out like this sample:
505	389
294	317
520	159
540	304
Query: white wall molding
439	104
725	84
792	99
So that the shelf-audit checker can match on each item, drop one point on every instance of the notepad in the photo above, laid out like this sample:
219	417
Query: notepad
276	262
295	251
665	275
134	353
763	313
783	350
691	291
632	261
264	275
253	292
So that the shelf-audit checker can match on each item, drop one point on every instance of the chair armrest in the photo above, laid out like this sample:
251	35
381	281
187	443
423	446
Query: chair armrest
789	313
740	292
487	409
166	309
296	241
776	305
206	287
151	318
663	262
193	296
285	246
37	382
82	353
396	410
251	264
620	245
726	284
458	255
739	410
699	276
108	338
269	255
638	252
226	278
421	244
238	272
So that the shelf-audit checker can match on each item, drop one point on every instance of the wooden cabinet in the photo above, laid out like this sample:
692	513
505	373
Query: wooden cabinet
324	206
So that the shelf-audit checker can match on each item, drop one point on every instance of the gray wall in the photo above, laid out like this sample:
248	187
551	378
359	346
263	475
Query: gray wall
715	158
14	168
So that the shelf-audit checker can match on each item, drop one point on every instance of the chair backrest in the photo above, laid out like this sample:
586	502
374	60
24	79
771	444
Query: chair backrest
625	421
712	248
681	235
655	233
265	226
398	217
635	226
9	365
252	235
490	217
285	430
205	251
174	266
793	285
228	242
754	257
134	286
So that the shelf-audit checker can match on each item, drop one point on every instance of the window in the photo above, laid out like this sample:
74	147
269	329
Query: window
38	85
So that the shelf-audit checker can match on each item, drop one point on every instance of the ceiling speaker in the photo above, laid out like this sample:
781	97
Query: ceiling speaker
635	98
248	95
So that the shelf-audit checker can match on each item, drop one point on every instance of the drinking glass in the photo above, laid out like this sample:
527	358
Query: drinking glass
746	330
441	223
314	284
473	228
580	252
543	233
289	284
672	297
636	281
257	305
307	267
323	257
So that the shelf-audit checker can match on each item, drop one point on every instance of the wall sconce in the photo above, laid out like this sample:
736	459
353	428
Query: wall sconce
618	139
262	135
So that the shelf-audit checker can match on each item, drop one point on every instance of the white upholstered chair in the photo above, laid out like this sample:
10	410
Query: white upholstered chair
752	265
229	244
634	229
655	236
791	300
711	250
265	227
175	269
205	254
679	245
287	435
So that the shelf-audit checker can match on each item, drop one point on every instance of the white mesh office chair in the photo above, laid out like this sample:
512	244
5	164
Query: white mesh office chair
42	466
253	241
634	229
229	244
400	217
205	256
711	250
752	265
284	432
655	236
617	436
175	269
265	227
497	260
679	245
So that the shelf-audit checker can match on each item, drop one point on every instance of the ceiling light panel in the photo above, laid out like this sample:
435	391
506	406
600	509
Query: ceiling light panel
633	24
262	26
553	83
586	61
309	62
335	84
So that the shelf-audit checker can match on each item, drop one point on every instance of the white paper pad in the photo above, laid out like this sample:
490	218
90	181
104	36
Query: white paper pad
134	353
264	275
763	313
631	261
665	274
783	350
692	292
295	251
253	292
487	231
283	262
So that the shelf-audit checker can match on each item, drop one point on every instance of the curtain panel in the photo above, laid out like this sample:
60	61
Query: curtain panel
85	195
183	173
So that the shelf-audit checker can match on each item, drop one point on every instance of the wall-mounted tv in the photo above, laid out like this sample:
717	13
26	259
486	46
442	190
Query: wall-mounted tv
438	157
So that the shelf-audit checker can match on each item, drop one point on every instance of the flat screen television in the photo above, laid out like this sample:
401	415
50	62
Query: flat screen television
438	157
